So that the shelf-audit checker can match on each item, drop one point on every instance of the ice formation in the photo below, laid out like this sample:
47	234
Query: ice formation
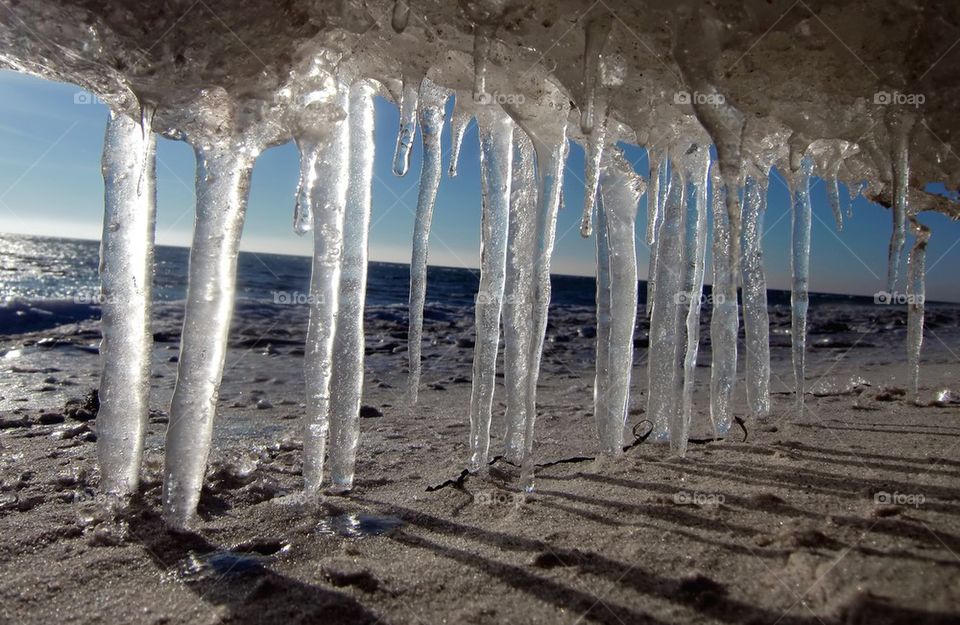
804	88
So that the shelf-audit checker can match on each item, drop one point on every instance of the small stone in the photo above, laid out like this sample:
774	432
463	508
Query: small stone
263	404
370	412
51	418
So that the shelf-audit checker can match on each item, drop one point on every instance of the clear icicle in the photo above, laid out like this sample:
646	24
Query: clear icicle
597	33
621	189
223	182
664	355
696	172
518	295
496	156
724	321
346	383
459	121
401	15
594	153
916	295
900	127
656	197
147	111
126	276
327	195
409	102
303	210
833	192
433	100
800	269
756	320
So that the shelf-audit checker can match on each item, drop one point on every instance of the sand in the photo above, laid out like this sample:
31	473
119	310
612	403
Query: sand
849	514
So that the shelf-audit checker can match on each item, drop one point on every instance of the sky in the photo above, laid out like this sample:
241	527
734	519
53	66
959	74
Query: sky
51	137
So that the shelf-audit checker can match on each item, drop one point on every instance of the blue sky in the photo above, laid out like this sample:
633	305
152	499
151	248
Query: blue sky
50	184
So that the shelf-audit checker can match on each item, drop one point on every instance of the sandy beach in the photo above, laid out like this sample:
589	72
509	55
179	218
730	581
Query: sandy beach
847	515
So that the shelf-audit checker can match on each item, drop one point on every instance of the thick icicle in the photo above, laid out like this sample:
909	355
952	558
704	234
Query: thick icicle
800	269
756	320
459	121
596	35
518	294
594	153
223	181
126	275
900	127
545	122
409	102
303	210
496	157
620	189
327	195
401	15
346	383
696	169
664	355
724	321
433	100
916	294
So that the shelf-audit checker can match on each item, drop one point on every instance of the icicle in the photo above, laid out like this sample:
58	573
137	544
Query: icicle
696	168
916	295
621	189
432	108
408	126
303	210
346	382
724	322
518	297
594	153
756	321
656	197
126	275
459	121
664	354
597	33
147	111
401	15
800	269
327	197
899	127
833	192
223	181
496	156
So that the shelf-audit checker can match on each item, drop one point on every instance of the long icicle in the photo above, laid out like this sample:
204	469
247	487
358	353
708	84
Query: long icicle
409	103
433	101
223	183
601	380
346	384
496	156
327	196
900	127
756	320
550	144
656	198
621	189
916	296
800	269
126	276
696	166
594	147
724	322
518	296
663	365
459	121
